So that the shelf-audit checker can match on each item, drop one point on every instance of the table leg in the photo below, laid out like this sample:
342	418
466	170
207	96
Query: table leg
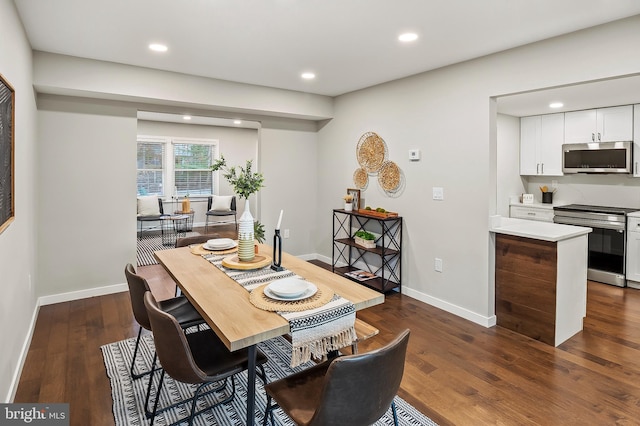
251	386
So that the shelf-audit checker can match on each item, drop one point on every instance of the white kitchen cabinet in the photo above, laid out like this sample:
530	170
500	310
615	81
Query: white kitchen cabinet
633	251
599	125
636	140
532	212
541	139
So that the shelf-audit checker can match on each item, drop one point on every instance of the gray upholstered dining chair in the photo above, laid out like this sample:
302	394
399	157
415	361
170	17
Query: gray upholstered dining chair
199	358
215	211
179	307
351	390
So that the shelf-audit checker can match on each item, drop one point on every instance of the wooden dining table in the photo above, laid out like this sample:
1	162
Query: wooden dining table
225	304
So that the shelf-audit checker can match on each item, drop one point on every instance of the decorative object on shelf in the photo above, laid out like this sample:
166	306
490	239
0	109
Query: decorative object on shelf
277	247
245	182
186	204
547	196
361	178
365	239
378	212
357	200
348	202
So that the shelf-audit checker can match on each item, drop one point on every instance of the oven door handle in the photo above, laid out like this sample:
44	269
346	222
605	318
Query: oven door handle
620	227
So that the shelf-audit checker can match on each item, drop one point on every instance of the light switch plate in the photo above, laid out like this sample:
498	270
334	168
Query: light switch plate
414	155
438	193
527	198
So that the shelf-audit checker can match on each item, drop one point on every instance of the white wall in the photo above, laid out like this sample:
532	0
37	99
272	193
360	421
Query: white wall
509	181
288	161
86	189
18	255
448	114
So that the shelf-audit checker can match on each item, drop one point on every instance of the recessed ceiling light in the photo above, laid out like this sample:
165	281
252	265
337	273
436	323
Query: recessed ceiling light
308	75
556	105
237	121
156	47
186	117
408	37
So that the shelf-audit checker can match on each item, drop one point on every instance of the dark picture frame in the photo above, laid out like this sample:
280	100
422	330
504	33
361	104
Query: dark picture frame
356	198
7	150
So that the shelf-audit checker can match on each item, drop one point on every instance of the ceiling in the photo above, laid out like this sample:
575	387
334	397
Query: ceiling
349	45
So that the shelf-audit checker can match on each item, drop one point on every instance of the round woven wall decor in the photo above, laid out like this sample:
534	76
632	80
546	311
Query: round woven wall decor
389	176
371	152
360	178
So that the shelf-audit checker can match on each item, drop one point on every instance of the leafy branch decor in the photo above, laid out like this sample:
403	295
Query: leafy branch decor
245	182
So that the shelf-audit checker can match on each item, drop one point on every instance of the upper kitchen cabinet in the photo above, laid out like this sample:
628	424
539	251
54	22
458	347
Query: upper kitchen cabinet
636	140
599	125
541	139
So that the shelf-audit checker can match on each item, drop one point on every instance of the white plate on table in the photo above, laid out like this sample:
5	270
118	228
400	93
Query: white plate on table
310	291
289	288
217	247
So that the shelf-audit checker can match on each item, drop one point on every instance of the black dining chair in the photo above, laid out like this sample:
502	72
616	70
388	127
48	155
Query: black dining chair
179	307
211	214
199	358
351	390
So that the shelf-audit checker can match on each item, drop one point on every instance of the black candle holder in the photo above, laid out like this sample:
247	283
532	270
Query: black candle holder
277	252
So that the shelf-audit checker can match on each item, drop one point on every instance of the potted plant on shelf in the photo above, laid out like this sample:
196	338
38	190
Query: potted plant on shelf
245	182
365	239
348	202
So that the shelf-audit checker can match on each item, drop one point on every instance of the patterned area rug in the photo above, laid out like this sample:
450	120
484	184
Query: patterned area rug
128	395
150	243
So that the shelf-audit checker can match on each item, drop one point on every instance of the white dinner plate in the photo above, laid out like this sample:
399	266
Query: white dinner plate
288	287
206	246
219	242
310	291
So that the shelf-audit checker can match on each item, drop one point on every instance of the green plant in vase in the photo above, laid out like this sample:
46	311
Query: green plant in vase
244	182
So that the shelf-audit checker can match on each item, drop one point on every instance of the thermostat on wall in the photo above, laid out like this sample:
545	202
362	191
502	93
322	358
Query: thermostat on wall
414	154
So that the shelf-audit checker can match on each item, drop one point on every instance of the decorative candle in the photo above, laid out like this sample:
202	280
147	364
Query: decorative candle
279	220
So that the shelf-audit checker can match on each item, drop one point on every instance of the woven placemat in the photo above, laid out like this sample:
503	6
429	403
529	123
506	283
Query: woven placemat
260	300
199	250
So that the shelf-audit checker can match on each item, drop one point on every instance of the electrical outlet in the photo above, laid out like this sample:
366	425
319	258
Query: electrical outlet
437	265
438	193
286	233
554	184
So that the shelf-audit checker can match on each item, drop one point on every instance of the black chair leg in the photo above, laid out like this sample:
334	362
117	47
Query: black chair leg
395	414
268	412
135	376
155	404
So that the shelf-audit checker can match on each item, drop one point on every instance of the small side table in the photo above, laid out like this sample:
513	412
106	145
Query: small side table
190	215
172	227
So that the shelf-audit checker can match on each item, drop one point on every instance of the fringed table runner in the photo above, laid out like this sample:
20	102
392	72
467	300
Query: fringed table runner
314	332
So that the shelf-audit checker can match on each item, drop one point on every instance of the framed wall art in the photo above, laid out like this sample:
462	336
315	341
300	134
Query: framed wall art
7	148
356	197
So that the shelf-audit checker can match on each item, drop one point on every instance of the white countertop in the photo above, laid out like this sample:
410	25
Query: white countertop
545	231
537	205
634	214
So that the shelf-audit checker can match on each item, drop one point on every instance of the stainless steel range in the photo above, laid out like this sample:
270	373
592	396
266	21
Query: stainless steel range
607	242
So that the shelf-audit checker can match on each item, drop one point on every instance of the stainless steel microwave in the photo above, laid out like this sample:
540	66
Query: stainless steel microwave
597	157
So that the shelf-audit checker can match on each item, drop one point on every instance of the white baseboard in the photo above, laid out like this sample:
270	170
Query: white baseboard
451	308
15	380
82	294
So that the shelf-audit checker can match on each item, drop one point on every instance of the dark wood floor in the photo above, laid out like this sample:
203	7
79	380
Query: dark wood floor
456	372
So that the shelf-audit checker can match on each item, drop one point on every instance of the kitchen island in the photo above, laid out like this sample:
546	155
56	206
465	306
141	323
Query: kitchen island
540	278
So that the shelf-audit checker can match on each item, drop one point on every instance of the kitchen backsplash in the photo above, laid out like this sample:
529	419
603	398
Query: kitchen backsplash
599	190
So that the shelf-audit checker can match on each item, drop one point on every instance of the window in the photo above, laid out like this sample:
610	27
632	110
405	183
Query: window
171	167
191	168
150	168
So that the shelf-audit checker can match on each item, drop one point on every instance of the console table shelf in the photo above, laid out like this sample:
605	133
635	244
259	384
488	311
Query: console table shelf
384	261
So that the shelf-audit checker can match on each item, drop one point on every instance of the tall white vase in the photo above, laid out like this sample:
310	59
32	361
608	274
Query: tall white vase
246	241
